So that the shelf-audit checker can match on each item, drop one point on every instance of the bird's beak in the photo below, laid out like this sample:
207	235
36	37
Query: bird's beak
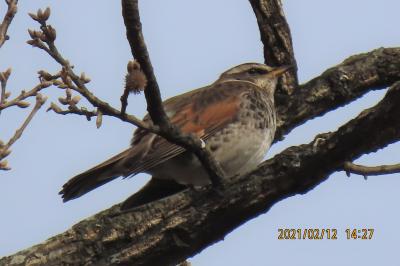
280	70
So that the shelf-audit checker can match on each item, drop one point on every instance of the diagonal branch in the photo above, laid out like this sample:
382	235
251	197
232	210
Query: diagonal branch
8	17
70	78
130	13
5	149
18	101
168	231
134	34
337	86
25	94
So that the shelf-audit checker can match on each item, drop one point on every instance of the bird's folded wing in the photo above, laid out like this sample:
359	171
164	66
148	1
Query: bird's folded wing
202	113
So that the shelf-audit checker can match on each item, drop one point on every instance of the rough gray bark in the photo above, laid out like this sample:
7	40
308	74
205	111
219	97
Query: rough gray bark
338	86
167	232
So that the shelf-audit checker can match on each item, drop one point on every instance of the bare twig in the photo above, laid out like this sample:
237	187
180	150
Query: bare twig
71	102
365	171
18	101
3	82
25	94
8	17
72	80
5	149
3	91
124	101
130	13
73	110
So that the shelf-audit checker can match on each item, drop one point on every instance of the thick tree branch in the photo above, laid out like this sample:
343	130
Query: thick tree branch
338	86
277	40
130	13
168	231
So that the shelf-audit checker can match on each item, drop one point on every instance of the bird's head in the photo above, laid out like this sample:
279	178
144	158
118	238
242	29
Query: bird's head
262	75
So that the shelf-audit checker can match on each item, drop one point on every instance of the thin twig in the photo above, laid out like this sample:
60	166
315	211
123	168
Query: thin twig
365	171
72	109
78	82
24	95
124	101
3	92
5	149
8	17
3	82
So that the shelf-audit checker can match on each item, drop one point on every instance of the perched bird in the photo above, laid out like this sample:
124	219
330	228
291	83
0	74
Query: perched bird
234	116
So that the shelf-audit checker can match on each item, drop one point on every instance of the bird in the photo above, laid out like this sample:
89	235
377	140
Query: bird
234	116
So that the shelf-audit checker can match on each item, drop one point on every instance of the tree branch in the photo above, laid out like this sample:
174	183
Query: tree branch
130	13
277	40
44	40
24	95
18	101
338	86
5	149
371	170
168	231
8	17
3	82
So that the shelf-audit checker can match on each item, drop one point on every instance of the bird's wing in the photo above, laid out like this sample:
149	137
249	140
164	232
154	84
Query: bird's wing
202	112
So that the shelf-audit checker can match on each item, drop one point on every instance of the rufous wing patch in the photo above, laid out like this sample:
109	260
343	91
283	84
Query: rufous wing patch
199	120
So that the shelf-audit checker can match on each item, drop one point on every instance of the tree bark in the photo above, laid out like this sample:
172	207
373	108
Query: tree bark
166	232
277	40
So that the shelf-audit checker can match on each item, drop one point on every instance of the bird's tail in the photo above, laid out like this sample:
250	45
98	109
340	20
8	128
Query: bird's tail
93	178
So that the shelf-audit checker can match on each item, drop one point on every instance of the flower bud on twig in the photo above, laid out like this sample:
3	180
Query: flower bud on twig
22	104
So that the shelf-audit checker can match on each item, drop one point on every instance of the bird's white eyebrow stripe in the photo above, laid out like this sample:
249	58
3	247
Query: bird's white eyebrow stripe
241	81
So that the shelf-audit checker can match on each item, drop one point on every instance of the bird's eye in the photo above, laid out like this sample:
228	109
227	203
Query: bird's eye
253	71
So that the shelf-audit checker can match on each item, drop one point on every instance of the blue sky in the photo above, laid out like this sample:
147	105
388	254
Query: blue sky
190	43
